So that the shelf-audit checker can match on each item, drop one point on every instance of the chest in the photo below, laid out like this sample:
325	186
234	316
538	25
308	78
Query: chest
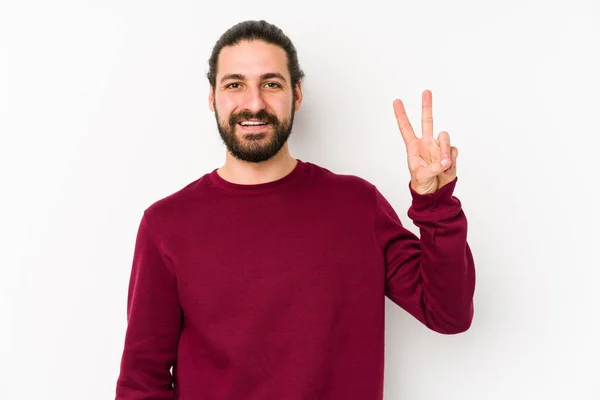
258	260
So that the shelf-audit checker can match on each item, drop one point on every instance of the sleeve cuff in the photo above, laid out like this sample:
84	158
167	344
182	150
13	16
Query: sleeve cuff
434	206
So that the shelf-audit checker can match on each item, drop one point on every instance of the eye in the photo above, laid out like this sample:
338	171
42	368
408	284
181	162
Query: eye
231	86
273	85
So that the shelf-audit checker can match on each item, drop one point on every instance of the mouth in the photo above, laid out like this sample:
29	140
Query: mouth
253	126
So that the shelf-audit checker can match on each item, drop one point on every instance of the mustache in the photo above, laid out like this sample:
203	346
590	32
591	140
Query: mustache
261	115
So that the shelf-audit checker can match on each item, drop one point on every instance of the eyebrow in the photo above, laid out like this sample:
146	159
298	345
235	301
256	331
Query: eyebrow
269	75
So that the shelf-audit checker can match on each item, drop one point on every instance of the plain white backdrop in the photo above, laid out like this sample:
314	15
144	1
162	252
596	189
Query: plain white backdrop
103	110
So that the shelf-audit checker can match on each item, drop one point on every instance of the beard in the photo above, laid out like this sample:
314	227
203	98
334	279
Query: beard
254	147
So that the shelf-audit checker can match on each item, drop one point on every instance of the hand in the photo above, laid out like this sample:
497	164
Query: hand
431	162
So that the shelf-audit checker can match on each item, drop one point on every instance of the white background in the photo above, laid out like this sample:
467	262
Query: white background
103	110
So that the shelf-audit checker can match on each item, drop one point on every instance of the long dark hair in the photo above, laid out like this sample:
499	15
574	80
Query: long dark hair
256	30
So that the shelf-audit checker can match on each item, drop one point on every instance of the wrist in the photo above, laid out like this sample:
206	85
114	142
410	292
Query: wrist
424	188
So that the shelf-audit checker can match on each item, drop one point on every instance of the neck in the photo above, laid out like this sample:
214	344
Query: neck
247	173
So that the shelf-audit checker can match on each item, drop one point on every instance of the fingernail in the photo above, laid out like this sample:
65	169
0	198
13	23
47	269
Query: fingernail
445	162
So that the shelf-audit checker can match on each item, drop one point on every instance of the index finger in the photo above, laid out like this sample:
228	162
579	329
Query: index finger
408	134
427	114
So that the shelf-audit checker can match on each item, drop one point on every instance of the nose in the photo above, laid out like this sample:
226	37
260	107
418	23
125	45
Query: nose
253	100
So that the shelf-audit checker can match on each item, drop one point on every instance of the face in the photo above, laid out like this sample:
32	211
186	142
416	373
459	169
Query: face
253	100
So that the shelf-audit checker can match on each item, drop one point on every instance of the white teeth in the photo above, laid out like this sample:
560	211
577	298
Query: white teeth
252	123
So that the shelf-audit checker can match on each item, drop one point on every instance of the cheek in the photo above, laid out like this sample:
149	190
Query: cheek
283	107
224	107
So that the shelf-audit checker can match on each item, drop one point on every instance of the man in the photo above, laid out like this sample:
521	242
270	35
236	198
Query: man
266	278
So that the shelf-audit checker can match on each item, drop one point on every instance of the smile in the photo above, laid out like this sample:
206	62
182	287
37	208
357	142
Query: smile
252	123
252	126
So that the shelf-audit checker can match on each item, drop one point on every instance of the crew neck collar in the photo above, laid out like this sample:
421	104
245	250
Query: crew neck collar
239	188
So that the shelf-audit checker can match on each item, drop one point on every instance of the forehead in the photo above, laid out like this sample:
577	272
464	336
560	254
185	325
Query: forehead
252	59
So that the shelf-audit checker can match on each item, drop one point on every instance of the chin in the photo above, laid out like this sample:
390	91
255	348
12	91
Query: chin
250	137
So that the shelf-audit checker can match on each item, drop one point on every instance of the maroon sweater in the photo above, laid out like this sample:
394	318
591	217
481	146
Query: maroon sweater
277	290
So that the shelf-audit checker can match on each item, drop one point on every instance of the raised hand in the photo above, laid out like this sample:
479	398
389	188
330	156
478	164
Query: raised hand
431	162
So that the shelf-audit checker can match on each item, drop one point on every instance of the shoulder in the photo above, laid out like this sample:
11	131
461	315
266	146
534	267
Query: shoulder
178	202
344	184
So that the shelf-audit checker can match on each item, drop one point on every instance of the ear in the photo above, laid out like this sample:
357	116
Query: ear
298	96
211	99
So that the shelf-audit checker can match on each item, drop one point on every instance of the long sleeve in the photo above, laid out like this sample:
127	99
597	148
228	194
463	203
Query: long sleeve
154	319
432	278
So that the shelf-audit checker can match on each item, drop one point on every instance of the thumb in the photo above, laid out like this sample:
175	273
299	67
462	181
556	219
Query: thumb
450	174
440	166
445	163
